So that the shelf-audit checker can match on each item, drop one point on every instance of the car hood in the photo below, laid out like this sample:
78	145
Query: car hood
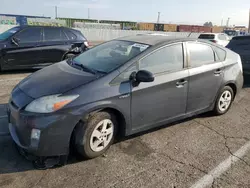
55	79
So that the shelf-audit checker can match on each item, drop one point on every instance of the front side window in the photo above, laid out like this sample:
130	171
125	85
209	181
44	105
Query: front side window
110	55
54	34
167	59
29	35
5	35
200	54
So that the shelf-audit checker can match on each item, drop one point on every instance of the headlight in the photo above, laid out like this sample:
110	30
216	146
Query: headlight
50	103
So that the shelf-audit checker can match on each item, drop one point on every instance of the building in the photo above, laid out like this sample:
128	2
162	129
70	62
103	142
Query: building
13	19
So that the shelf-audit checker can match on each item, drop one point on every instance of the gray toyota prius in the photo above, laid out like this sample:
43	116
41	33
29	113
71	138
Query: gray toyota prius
126	86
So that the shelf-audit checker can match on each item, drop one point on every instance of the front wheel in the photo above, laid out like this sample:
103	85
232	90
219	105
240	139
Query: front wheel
224	100
94	137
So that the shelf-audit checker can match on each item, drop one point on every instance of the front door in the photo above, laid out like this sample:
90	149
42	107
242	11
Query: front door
165	97
26	54
205	76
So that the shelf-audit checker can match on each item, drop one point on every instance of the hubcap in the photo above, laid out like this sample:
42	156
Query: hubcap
225	100
102	135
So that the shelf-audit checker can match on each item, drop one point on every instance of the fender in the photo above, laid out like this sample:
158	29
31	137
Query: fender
94	107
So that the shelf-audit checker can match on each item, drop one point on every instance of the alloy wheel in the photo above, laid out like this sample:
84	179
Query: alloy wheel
225	100
102	135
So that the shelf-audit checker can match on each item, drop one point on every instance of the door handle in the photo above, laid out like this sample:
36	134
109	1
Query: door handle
218	72
181	83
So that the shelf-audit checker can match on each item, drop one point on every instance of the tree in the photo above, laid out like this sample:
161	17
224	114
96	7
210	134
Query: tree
208	24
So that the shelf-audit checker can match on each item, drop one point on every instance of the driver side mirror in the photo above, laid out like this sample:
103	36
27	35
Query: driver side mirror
142	76
15	41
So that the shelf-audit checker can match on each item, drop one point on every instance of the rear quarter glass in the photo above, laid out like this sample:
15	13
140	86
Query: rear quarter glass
79	34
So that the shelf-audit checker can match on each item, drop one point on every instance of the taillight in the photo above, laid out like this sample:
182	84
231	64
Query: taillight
240	63
86	43
213	41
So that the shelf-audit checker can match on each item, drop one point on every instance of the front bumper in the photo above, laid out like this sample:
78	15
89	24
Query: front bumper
55	130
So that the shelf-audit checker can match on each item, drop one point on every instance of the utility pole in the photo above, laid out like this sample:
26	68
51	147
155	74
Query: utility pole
158	19
249	23
222	22
55	11
88	14
228	22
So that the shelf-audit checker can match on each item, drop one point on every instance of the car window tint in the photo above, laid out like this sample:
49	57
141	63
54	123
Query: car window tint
206	36
70	34
221	54
54	34
29	35
200	54
169	58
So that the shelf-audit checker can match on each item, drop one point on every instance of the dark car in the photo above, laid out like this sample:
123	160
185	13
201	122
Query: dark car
241	45
25	47
124	86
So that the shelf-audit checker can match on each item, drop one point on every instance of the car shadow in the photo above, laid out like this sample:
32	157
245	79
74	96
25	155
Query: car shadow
246	81
11	161
24	71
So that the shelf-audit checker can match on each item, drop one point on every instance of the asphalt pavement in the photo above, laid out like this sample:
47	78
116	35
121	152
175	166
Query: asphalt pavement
204	151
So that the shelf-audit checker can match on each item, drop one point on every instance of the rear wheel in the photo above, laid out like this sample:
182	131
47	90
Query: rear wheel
224	100
95	137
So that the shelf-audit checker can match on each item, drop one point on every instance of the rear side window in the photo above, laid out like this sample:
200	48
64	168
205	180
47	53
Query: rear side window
29	35
54	34
169	58
206	36
200	54
70	34
221	54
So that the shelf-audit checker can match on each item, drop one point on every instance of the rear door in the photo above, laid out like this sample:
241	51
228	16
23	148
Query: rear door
165	98
54	45
27	54
206	73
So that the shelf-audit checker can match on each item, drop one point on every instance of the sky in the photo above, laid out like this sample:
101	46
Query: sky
171	11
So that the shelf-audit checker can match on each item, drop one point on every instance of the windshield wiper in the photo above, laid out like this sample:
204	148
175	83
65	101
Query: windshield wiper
84	68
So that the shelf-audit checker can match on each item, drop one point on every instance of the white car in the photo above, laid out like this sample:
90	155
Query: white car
219	38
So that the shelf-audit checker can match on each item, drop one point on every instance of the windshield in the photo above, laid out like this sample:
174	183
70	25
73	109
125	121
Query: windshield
206	36
109	56
8	33
230	32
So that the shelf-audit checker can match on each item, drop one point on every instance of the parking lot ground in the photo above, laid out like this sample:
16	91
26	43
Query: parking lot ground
177	155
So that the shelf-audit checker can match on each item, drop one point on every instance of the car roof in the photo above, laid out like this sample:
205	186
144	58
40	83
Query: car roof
30	26
241	37
154	39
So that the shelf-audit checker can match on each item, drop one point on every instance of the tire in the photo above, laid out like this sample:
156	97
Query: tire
229	93
85	138
67	56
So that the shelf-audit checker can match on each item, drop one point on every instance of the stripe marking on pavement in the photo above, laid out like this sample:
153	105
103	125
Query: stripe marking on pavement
208	179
